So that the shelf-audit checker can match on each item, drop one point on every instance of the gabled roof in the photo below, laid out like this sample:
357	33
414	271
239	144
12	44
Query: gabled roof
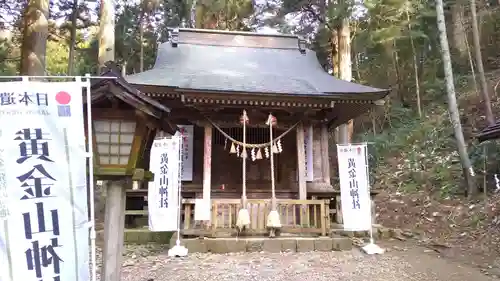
102	89
244	62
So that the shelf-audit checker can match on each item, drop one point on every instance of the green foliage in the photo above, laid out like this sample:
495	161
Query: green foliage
417	154
8	66
57	61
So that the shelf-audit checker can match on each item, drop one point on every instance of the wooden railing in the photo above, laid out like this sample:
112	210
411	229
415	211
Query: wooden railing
306	217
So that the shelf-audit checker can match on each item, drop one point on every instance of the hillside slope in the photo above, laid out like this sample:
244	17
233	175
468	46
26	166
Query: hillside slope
416	165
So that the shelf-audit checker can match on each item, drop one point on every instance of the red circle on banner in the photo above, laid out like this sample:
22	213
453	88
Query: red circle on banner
63	97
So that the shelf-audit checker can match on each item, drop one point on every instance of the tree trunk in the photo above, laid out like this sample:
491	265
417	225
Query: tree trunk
141	36
35	38
452	103
395	62
345	73
479	63
335	53
106	33
72	43
192	15
415	67
458	31
471	63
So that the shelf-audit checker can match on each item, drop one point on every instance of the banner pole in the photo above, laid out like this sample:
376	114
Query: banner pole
90	156
371	248
179	193
372	241
178	250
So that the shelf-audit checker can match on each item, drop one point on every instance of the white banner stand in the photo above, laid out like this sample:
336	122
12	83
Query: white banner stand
353	163
178	250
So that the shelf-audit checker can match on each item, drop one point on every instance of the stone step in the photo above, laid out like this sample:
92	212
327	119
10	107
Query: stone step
141	236
379	232
258	244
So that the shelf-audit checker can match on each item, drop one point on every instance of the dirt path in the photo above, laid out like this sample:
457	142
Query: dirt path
402	262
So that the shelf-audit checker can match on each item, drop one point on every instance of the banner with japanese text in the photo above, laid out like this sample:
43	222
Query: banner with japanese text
44	231
354	186
187	134
308	148
163	192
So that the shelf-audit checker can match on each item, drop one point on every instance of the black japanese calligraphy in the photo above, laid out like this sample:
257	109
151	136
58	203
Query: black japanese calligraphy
33	143
164	159
39	257
163	180
353	183
352	173
355	198
163	197
37	183
40	218
7	99
351	163
34	98
36	186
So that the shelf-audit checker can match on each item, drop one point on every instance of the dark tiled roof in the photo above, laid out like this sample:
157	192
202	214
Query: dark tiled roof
262	64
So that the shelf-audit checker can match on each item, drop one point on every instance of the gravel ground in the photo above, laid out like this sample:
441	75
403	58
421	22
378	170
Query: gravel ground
143	263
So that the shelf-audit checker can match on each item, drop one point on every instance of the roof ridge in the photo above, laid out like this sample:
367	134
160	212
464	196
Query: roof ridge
233	32
231	46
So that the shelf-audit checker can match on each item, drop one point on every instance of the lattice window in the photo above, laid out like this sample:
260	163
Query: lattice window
114	141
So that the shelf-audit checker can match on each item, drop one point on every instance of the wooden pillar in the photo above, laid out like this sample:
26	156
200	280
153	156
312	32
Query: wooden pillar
207	162
301	165
325	155
114	229
301	172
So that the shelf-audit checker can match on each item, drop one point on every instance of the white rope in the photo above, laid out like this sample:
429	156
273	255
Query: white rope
250	145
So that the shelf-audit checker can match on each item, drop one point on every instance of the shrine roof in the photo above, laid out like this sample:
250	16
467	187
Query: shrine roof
245	62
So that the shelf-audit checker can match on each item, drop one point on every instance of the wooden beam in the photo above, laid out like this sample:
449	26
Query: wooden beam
325	155
114	229
207	161
301	165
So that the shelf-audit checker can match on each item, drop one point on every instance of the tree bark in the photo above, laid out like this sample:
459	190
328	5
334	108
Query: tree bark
471	63
335	53
395	62
415	67
192	15
458	31
345	73
72	43
452	102
106	33
479	63
35	35
141	36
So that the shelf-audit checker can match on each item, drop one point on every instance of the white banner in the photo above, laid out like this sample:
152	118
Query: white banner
308	147
187	134
163	192
354	187
43	206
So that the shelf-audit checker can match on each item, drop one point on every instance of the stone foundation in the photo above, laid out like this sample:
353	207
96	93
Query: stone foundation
379	232
270	245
